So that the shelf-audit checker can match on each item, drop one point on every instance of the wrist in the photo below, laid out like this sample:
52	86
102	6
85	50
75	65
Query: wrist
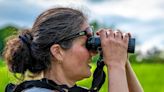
116	65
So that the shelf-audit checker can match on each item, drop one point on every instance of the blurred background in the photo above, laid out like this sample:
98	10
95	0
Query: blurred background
144	19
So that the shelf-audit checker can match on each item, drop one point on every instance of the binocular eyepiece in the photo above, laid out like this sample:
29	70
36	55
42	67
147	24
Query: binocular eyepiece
94	44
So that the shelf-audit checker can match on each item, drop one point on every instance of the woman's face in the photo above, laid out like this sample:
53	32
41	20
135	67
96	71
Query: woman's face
76	60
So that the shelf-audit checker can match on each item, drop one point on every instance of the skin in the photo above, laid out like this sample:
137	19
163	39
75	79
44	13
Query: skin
121	75
133	83
70	66
116	44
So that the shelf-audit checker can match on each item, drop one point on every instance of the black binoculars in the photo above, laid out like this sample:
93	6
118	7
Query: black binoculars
94	44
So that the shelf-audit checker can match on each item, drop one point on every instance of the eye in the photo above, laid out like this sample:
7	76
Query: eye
83	40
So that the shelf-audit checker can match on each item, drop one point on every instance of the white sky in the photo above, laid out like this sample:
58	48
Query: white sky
143	18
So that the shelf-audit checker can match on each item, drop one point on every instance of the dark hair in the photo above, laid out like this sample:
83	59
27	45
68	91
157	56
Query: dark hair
30	50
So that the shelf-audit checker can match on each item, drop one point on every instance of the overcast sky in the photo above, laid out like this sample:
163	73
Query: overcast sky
143	18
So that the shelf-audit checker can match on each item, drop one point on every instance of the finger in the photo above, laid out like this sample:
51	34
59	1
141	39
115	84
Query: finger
126	37
103	34
110	33
118	34
129	34
107	33
98	32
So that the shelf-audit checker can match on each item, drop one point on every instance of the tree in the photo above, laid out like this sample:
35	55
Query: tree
4	33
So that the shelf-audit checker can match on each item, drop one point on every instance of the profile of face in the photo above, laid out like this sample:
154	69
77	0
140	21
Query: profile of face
75	60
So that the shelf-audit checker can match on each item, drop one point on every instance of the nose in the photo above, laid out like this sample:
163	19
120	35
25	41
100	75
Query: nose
93	53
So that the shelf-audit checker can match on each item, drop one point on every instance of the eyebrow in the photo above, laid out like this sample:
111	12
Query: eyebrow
68	37
74	35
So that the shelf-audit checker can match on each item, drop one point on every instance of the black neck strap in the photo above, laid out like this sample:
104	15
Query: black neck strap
98	80
98	75
48	84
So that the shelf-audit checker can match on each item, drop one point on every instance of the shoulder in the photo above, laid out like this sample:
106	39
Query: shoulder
35	89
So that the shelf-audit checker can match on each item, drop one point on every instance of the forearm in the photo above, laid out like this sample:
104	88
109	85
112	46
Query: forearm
133	83
117	79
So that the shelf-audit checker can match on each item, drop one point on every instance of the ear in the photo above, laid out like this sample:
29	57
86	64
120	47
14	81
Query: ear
57	52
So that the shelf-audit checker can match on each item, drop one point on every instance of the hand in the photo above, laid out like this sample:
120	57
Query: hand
114	46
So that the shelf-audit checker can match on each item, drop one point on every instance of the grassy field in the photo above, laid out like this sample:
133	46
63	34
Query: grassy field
150	76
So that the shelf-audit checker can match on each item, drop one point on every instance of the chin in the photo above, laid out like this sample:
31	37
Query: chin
88	74
84	76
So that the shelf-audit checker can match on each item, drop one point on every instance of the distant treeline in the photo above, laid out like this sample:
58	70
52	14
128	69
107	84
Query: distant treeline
152	56
4	33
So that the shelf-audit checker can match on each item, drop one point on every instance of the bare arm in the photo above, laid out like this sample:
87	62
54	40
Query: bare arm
114	46
133	83
117	79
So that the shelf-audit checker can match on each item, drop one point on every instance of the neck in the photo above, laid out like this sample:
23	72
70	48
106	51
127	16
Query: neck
57	75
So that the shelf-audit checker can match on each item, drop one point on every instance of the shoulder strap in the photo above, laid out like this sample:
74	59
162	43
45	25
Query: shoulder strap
30	84
10	87
98	80
44	83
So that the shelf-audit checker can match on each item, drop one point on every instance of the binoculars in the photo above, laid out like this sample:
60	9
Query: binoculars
94	44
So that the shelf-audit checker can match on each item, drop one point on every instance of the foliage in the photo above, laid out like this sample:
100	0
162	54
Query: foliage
4	33
152	56
150	76
95	25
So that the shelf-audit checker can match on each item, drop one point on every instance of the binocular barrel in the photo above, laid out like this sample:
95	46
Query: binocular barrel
93	43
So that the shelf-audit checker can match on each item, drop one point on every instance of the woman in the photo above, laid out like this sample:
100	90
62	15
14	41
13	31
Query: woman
56	47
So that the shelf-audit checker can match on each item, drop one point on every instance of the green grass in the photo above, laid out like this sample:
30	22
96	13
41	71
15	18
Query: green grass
88	82
151	77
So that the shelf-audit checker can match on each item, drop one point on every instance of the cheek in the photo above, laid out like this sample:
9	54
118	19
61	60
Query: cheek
78	57
82	54
77	62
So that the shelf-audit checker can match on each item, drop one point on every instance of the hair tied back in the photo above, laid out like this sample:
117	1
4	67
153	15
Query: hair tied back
26	39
